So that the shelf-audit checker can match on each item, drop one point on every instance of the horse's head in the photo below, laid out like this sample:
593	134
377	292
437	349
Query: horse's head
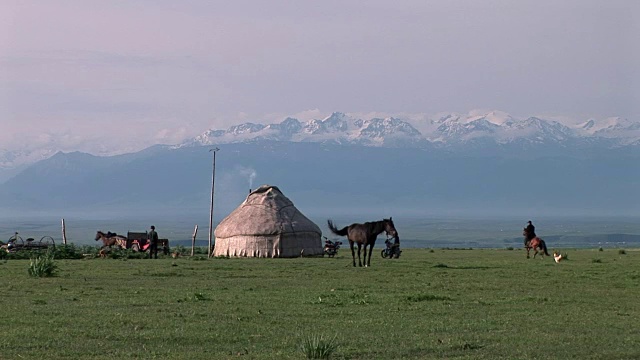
390	229
99	235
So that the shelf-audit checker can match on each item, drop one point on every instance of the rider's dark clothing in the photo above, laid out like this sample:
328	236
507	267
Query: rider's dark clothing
530	233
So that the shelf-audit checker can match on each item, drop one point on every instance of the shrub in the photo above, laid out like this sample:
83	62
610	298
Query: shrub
59	252
68	252
200	250
596	261
124	254
600	249
181	250
622	252
43	265
317	346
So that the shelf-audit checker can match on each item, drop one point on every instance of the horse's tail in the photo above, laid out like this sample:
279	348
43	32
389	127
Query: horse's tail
544	247
334	229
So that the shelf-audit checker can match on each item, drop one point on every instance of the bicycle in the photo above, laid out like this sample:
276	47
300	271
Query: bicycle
16	243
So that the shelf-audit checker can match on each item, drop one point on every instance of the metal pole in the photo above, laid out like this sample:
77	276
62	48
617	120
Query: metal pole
64	233
193	240
213	182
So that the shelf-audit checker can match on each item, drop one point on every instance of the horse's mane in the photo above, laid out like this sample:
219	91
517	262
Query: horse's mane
379	221
110	234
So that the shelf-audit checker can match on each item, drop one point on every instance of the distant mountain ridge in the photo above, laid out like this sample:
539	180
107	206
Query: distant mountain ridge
448	130
460	132
327	178
338	128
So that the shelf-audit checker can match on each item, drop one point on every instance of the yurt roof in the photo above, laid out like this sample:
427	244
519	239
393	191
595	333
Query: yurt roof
265	211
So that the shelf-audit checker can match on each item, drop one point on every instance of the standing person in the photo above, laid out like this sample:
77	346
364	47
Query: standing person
529	232
152	237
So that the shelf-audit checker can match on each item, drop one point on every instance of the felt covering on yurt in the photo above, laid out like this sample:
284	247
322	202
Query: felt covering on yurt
267	224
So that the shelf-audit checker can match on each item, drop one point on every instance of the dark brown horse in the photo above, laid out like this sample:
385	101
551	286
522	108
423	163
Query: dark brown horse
536	244
110	239
365	235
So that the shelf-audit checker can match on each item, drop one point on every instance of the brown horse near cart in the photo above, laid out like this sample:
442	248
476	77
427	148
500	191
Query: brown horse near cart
134	241
110	239
365	235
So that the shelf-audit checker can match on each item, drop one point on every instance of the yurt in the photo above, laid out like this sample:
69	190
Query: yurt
267	224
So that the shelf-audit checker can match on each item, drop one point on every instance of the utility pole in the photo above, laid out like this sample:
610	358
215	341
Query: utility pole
213	182
64	233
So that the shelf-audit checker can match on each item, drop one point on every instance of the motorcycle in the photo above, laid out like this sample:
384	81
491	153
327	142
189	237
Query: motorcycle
392	250
331	247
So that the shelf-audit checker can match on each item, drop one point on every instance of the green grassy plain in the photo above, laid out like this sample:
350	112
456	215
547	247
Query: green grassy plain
453	304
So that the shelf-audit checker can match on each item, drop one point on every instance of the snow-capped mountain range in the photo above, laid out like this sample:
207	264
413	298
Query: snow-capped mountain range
447	130
442	130
339	128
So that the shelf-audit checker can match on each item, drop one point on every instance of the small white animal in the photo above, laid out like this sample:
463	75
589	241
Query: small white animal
557	257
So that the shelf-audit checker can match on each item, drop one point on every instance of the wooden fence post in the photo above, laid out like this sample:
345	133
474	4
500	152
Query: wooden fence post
193	240
64	233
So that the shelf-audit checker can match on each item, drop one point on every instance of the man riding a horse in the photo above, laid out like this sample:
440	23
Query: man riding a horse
529	233
532	241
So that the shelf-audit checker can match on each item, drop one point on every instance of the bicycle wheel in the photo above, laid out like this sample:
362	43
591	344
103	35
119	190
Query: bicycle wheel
47	242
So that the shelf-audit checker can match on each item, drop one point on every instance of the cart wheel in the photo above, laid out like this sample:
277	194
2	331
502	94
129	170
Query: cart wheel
17	240
383	254
47	242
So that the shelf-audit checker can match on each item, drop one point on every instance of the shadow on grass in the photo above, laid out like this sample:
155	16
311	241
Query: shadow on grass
445	266
427	297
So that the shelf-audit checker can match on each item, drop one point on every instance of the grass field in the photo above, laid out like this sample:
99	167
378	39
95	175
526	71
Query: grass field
453	304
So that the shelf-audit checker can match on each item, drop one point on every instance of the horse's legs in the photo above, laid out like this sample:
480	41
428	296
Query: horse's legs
365	254
528	249
541	251
370	250
359	261
353	253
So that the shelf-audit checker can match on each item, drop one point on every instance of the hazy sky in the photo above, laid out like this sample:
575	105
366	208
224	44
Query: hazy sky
160	71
